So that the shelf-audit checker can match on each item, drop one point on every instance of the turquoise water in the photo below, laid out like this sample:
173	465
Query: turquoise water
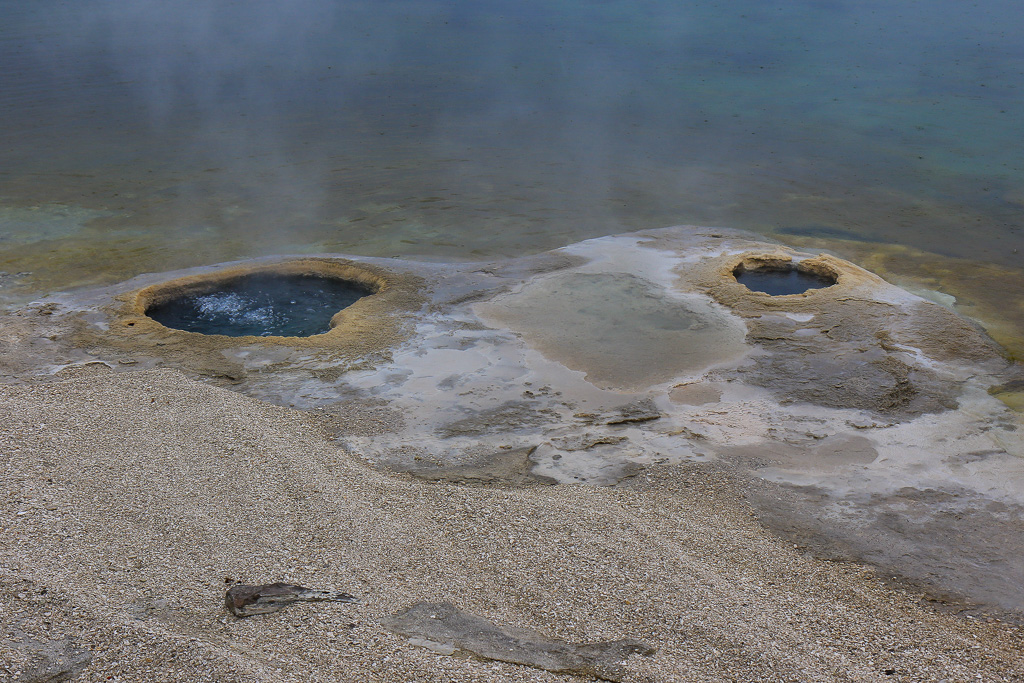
148	135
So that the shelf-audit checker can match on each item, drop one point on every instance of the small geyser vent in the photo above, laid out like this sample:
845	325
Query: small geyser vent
260	304
782	278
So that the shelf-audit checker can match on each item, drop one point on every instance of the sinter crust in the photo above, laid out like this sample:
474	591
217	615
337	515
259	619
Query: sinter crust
388	289
720	281
845	345
371	326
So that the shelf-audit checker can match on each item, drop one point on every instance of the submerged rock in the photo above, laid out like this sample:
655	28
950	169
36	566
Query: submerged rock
586	441
245	601
643	410
507	417
445	628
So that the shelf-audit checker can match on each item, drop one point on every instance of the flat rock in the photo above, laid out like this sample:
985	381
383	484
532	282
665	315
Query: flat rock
643	410
447	629
586	441
54	661
511	468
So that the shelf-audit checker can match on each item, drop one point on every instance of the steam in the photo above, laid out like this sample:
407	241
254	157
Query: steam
240	107
491	127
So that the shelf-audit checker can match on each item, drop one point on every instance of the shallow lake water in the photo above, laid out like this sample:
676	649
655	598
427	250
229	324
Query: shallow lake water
151	136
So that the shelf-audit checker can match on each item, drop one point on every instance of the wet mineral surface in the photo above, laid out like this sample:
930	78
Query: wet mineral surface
864	421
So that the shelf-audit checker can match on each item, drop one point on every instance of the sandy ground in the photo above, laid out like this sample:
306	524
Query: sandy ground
131	500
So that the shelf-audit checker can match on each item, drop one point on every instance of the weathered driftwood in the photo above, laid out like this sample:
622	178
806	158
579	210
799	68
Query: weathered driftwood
245	601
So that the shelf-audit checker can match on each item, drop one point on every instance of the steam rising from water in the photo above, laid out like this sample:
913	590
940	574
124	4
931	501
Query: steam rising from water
210	130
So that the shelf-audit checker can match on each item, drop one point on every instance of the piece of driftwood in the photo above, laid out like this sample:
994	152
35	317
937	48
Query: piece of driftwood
245	601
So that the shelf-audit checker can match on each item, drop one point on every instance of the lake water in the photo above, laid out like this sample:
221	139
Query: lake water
150	136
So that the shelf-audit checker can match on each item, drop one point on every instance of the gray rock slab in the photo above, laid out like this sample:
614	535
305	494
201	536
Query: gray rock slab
447	629
511	468
54	661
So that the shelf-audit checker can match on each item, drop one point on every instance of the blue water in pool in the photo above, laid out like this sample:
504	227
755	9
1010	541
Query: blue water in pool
261	306
148	136
781	282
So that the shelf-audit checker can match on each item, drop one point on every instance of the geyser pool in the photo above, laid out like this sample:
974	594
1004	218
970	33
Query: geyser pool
261	305
779	281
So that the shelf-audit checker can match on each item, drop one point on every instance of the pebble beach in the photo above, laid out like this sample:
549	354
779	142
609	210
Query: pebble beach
136	499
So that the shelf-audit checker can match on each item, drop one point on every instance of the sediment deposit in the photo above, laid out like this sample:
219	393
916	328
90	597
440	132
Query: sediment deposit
614	440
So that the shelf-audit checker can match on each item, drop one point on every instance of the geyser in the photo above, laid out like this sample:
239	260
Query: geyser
261	305
781	279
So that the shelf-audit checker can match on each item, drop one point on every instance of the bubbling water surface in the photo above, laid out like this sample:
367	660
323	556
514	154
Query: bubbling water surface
262	306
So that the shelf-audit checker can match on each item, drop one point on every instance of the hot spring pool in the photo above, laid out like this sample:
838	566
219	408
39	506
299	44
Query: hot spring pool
261	305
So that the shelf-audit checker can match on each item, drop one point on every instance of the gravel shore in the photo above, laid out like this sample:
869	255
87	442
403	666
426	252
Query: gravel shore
133	500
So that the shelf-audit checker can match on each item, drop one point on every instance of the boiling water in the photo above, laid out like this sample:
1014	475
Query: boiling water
152	136
262	306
